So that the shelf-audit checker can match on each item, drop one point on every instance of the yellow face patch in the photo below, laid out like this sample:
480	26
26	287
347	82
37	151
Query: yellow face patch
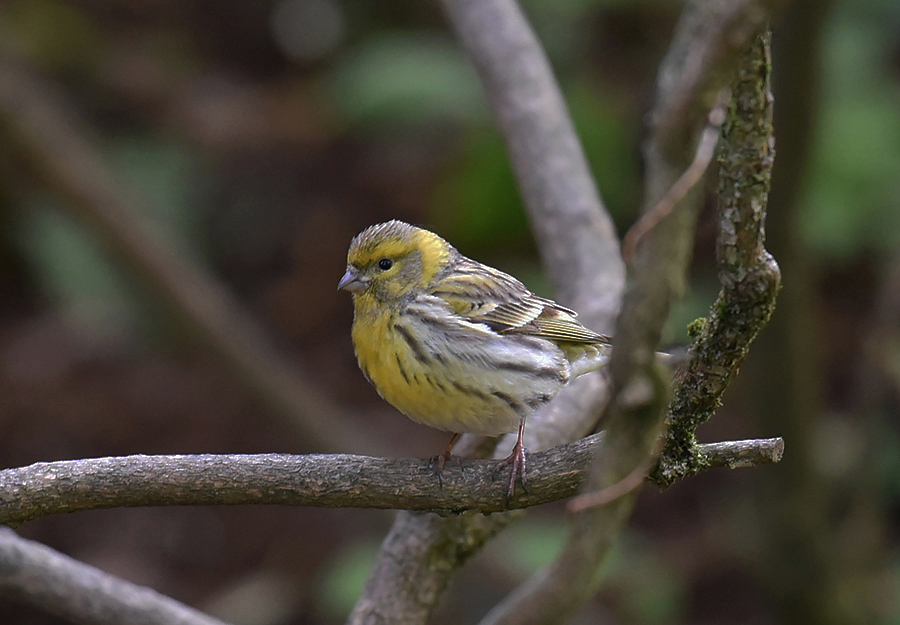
394	240
392	249
435	254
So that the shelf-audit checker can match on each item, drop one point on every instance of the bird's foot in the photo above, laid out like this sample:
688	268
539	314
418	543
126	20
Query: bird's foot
440	461
516	462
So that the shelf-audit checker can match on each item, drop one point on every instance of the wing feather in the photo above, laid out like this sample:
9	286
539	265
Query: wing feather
496	299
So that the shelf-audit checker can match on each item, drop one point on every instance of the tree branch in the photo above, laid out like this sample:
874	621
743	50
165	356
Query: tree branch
333	481
36	574
703	55
706	149
741	454
706	46
53	582
749	275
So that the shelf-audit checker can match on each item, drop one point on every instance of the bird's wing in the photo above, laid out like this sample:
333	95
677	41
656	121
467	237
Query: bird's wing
496	299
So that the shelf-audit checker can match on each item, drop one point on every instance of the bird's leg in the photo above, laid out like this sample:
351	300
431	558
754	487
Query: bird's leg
444	457
516	462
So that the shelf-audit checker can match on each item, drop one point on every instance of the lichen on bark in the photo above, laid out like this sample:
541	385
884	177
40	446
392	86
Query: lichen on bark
749	276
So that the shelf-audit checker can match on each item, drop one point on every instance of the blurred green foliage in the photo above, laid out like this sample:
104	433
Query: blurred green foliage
852	199
404	80
76	274
475	203
646	589
341	583
530	545
54	35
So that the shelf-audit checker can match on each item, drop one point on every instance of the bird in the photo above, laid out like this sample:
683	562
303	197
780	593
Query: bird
455	344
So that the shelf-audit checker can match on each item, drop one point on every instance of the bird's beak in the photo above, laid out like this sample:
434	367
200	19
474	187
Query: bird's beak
352	281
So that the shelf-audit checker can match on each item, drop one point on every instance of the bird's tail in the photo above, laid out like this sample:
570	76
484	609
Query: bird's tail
587	357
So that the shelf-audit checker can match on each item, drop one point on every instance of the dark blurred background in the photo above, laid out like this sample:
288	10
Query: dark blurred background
261	136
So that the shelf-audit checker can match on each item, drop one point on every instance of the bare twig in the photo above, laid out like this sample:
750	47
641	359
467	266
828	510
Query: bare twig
609	494
311	480
740	454
55	583
706	149
334	481
64	159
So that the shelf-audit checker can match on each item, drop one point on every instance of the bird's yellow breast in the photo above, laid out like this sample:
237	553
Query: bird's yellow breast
429	389
375	344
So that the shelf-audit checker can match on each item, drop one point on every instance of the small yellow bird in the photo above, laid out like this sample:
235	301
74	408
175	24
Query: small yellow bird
455	344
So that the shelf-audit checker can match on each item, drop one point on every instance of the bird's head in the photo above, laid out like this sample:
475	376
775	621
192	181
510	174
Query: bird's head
387	261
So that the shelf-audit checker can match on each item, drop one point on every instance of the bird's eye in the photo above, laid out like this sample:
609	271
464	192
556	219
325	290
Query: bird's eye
385	263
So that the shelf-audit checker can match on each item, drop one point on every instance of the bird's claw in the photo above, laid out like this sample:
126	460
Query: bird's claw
439	462
516	462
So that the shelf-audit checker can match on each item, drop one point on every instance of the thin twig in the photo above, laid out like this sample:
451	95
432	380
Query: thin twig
739	454
609	494
706	149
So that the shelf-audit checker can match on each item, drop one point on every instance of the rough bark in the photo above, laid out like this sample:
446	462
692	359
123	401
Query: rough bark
333	481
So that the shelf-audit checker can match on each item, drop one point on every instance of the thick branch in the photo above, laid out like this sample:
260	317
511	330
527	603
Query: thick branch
53	582
749	276
334	481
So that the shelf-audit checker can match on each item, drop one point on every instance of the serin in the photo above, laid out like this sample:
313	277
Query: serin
455	344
